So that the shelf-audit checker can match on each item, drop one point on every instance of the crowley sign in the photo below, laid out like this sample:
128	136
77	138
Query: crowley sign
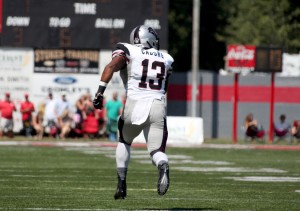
240	58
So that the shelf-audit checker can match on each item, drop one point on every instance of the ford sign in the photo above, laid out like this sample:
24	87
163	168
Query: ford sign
65	80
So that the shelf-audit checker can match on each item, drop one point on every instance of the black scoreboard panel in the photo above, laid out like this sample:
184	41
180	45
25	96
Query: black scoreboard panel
90	24
268	59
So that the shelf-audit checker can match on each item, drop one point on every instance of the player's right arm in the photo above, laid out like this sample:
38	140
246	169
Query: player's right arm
116	64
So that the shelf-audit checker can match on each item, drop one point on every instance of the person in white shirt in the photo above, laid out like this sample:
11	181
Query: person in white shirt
51	109
145	71
65	114
282	127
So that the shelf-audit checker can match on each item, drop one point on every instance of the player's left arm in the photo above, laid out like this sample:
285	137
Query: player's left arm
169	72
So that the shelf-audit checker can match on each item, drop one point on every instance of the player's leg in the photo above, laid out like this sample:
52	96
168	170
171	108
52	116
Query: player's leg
127	132
156	135
122	161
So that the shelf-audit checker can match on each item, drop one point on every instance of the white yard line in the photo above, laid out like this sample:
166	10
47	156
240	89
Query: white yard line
228	169
265	179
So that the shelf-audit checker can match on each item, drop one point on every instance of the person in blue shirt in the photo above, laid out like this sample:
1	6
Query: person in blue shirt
113	111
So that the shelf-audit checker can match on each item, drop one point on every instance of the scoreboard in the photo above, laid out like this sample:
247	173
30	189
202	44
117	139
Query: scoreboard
268	59
84	24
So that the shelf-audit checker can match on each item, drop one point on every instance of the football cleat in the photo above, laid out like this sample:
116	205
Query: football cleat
121	189
163	179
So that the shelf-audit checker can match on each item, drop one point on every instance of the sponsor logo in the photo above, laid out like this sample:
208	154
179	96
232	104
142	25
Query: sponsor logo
72	63
65	80
84	63
60	63
241	52
48	63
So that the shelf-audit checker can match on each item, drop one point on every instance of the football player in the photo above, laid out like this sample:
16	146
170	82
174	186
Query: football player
144	71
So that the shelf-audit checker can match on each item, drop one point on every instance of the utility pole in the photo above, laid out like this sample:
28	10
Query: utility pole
195	57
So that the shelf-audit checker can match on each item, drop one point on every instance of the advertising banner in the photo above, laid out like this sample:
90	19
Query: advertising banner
240	58
15	70
72	72
73	85
16	76
66	61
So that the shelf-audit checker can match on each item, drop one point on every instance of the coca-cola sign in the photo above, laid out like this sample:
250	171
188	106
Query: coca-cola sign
240	58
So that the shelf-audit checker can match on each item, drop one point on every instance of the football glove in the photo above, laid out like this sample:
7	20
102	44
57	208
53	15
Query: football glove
98	101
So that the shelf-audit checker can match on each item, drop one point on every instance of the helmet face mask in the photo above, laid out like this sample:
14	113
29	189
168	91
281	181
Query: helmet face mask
144	37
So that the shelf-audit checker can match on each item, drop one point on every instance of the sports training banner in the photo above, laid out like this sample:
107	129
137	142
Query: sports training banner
66	61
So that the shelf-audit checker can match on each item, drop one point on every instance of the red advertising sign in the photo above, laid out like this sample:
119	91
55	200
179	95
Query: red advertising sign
240	58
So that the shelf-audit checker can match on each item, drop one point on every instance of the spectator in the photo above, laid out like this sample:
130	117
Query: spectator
101	121
63	104
113	110
65	123
50	116
281	128
26	109
80	106
65	119
90	124
88	104
7	107
78	116
252	128
295	131
37	123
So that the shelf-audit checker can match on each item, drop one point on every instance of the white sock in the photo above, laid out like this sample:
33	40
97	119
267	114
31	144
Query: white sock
159	158
122	155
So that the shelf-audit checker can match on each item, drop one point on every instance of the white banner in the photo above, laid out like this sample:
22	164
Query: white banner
73	85
15	71
181	130
16	68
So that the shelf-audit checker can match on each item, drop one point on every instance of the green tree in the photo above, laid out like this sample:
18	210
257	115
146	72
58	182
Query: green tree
180	33
211	51
260	22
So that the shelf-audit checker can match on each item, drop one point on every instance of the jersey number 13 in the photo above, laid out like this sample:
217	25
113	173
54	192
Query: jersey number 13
159	76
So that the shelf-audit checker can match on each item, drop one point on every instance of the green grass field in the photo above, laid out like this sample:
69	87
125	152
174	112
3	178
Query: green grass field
84	178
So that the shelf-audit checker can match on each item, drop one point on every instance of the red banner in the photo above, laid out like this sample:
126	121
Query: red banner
240	57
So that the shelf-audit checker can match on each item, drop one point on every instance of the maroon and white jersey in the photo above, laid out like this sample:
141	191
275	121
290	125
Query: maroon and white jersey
146	72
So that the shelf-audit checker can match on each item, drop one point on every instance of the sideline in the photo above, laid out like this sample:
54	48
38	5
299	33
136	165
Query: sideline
143	145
